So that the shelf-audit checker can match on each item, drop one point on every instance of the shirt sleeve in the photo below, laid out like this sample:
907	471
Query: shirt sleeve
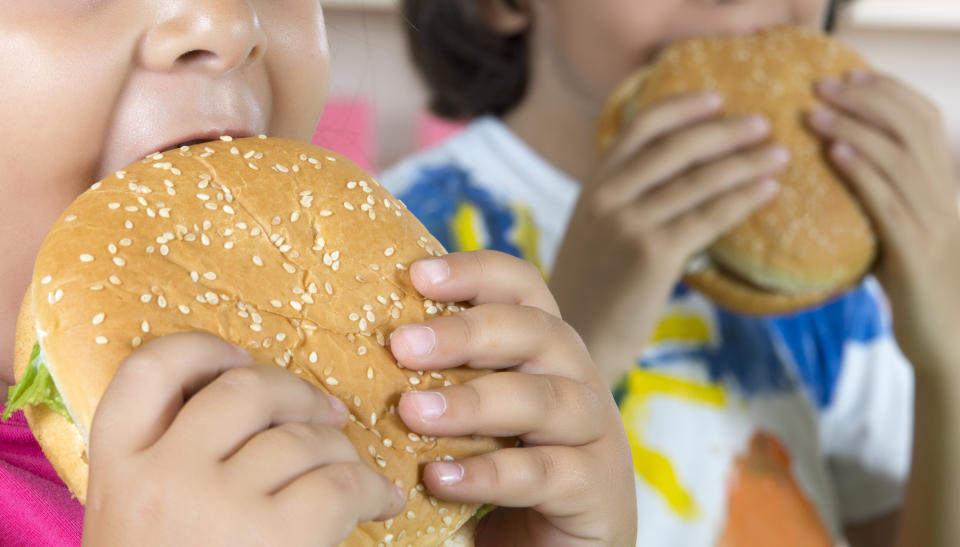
863	386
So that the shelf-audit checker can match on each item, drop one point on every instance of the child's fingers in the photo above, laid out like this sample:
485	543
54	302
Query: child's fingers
676	154
700	227
710	181
884	204
151	385
333	499
242	401
878	148
538	408
553	480
493	336
291	449
660	120
480	277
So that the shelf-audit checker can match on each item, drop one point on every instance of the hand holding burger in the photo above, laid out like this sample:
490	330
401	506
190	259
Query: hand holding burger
300	261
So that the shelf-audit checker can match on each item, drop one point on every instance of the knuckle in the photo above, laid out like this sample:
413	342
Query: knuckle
243	379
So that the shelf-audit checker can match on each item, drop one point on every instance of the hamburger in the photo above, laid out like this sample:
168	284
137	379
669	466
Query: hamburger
813	240
282	248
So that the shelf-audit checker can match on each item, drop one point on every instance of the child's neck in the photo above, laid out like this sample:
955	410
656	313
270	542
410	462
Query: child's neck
559	128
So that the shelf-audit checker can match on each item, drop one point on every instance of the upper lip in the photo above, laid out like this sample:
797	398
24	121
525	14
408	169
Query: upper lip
202	136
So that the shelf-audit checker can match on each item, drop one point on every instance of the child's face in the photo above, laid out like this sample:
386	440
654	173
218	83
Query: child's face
592	46
90	86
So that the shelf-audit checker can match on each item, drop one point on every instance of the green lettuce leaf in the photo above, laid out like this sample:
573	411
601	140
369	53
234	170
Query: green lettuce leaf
35	388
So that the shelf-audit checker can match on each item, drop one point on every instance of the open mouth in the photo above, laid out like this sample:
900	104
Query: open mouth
204	137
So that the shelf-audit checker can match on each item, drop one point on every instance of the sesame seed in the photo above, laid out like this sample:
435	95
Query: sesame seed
128	225
227	209
328	287
113	206
362	350
210	276
164	250
226	138
381	462
296	305
136	341
252	166
145	326
97	319
351	185
228	245
413	437
331	381
255	327
257	260
114	280
46	280
348	206
326	213
184	309
146	298
86	258
411	515
70	218
289	268
119	261
414	381
101	340
313	357
58	296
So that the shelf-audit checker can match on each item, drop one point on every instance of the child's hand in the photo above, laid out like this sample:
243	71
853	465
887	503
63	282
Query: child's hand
191	445
678	179
891	145
571	481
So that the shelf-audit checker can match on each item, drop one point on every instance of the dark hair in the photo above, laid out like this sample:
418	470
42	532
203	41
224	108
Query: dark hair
469	68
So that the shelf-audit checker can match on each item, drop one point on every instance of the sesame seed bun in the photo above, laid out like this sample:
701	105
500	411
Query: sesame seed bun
285	249
813	240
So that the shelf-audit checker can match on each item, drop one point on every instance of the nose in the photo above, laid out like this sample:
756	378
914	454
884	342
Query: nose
214	36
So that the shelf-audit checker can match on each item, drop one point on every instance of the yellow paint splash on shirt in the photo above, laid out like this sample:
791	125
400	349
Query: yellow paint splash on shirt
655	468
468	228
527	236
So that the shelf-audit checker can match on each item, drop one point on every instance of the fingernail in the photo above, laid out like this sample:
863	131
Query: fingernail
418	341
829	85
712	100
429	404
449	472
758	124
401	495
842	151
859	75
780	155
769	186
822	117
434	270
337	404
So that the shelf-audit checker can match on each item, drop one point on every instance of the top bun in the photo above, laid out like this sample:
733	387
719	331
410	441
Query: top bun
285	249
813	239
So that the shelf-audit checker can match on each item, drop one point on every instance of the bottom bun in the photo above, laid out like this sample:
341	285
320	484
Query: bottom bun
740	296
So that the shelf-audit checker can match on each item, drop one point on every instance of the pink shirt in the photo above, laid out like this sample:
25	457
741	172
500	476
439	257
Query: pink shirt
36	508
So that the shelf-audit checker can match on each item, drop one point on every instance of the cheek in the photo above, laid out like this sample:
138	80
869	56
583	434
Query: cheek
298	61
600	44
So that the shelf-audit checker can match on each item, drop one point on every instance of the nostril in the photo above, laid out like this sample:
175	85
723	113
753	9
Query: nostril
195	56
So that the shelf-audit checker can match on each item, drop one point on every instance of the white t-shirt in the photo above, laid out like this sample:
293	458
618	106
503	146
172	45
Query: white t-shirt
745	431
